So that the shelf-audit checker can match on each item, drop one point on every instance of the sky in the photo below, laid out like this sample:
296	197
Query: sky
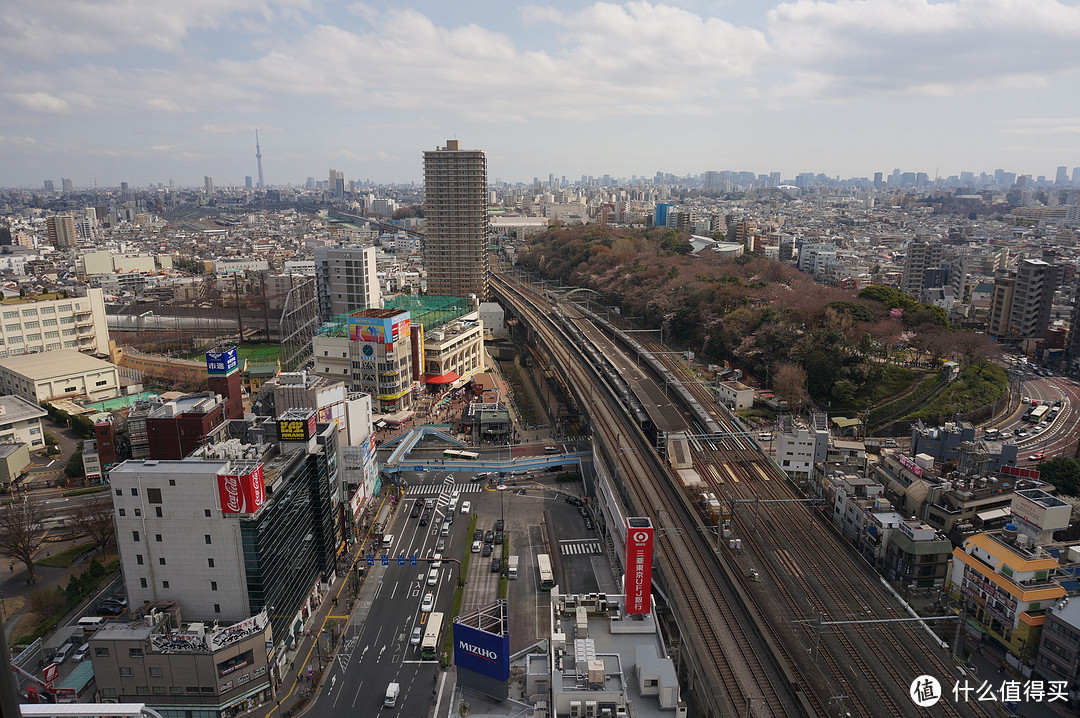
145	91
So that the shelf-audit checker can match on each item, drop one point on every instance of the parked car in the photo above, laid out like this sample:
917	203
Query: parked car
80	655
110	609
496	564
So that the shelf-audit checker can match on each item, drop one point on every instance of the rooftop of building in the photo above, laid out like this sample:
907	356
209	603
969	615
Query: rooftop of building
201	403
430	311
59	362
15	408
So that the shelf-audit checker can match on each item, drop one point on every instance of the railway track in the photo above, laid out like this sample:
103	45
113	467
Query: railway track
747	678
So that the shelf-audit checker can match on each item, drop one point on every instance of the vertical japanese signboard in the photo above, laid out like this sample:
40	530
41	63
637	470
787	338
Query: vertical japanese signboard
639	551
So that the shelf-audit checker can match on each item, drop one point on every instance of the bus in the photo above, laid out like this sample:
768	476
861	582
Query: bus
429	647
460	454
547	578
1038	414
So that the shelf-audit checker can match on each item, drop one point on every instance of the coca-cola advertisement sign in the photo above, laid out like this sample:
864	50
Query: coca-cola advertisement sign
241	493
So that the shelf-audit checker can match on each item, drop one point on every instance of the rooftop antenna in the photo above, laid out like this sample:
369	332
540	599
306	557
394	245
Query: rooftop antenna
258	156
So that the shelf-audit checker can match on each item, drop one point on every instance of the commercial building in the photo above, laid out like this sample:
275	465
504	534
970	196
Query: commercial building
454	351
63	373
372	350
20	422
244	525
14	462
455	224
29	325
346	279
1005	585
1058	658
183	669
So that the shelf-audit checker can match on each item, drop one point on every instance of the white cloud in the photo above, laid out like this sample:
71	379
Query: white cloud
48	29
849	48
42	102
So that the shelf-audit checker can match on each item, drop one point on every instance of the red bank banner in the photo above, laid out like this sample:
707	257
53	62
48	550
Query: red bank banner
241	493
639	552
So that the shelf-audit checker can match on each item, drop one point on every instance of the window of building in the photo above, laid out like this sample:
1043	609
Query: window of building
161	560
157	537
206	512
159	690
164	584
101	652
119	492
157	511
138	559
176	690
12	327
48	322
193	689
125	672
213	585
103	382
30	325
172	482
210	562
206	537
156	672
142	583
142	690
138	512
11	315
217	608
134	491
122	512
135	653
153	496
135	535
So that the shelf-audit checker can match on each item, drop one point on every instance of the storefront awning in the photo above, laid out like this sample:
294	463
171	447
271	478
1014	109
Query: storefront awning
448	378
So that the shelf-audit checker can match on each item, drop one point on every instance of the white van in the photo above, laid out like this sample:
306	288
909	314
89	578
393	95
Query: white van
392	691
466	507
387	540
89	624
63	653
433	577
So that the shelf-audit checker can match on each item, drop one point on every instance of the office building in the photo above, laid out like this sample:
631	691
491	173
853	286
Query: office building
922	254
337	183
346	280
456	227
66	185
1062	177
185	669
208	185
49	186
60	374
247	182
62	232
245	525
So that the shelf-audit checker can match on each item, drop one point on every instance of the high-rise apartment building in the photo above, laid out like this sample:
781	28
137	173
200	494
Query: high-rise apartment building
922	254
208	185
67	185
346	279
1062	175
49	186
62	232
456	224
1036	282
1001	303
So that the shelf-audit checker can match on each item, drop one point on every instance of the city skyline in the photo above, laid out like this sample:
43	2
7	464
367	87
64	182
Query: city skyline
145	94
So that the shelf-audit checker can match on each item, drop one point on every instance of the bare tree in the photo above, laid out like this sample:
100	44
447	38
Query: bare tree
789	381
20	530
95	519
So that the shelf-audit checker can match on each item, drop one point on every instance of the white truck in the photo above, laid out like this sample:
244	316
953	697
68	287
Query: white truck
392	691
512	566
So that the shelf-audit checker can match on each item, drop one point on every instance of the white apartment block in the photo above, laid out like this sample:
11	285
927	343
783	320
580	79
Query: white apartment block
31	327
799	448
240	265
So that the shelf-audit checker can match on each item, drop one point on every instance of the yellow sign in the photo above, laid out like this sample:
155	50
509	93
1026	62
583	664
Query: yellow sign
292	430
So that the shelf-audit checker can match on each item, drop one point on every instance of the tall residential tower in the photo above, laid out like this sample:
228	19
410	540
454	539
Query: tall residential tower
455	230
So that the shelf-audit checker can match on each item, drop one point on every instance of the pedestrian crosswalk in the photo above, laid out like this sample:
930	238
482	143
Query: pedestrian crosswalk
579	547
424	489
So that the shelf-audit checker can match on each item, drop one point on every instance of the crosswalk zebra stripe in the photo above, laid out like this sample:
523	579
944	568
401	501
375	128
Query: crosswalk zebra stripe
579	548
442	489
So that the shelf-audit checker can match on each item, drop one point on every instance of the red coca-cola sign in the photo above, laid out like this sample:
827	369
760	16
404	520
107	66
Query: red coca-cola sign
241	493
